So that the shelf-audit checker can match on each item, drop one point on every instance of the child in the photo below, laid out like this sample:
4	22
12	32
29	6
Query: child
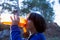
36	25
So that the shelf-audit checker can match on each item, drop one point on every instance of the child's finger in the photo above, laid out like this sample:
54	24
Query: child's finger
14	17
11	18
18	18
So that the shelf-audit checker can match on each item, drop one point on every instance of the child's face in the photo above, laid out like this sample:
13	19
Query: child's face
30	26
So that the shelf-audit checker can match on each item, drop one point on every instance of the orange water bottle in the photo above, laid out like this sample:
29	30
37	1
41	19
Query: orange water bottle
7	21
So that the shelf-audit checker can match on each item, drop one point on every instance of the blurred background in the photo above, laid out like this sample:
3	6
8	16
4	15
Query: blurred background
49	9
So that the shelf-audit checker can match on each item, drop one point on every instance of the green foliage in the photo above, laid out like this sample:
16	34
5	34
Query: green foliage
6	5
39	5
35	5
59	1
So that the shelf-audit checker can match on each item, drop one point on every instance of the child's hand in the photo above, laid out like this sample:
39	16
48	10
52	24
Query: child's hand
15	20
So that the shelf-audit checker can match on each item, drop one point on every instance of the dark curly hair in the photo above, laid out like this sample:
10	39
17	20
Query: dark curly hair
38	21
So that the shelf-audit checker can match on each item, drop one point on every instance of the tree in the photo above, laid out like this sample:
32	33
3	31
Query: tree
59	1
9	4
42	6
